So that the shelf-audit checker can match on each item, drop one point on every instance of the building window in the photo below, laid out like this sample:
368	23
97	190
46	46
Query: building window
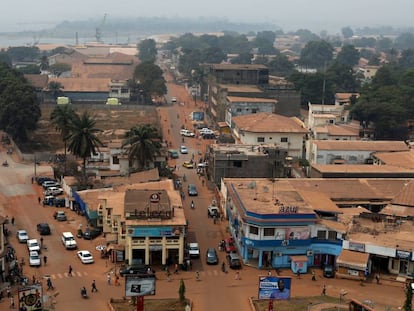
331	235
254	230
260	139
239	110
321	235
284	140
254	110
237	163
115	160
269	232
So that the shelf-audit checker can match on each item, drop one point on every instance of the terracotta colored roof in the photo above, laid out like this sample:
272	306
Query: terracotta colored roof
398	210
250	99
84	84
405	197
268	123
345	96
37	81
361	145
319	201
401	159
353	259
334	225
339	130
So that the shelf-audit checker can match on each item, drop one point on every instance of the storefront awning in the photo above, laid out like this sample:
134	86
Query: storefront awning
117	247
298	258
353	260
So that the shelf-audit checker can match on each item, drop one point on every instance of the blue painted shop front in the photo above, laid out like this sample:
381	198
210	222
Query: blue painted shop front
278	254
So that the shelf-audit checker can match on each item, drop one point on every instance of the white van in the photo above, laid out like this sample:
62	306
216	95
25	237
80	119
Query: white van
68	240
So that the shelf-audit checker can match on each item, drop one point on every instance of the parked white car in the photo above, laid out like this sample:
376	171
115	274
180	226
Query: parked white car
22	236
186	133
183	149
85	256
34	259
53	191
206	130
33	245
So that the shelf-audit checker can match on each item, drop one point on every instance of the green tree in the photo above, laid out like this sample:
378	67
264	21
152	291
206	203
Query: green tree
281	66
406	60
61	117
147	51
316	54
408	298
243	58
59	68
55	88
19	106
348	56
181	291
143	144
23	53
347	32
150	80
83	140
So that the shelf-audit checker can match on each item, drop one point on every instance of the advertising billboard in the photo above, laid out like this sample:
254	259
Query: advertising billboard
271	287
139	285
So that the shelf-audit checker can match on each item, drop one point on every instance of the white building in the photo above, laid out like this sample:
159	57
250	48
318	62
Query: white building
269	128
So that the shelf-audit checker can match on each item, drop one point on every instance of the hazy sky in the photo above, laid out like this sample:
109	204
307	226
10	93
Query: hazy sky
316	15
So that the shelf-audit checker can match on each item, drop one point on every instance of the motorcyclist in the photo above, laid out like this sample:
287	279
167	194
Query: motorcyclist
223	267
5	163
192	204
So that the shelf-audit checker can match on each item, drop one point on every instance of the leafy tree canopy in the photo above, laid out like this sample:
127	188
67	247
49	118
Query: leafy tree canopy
347	32
59	68
281	66
19	106
150	79
348	56
316	54
147	50
23	53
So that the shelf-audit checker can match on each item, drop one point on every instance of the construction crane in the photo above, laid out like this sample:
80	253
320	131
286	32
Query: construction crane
98	30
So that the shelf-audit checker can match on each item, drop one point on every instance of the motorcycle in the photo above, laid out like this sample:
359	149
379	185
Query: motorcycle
84	294
192	205
5	163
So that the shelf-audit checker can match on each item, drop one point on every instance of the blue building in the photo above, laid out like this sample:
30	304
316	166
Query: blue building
275	225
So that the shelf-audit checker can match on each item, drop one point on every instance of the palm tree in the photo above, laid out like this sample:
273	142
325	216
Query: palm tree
82	138
143	144
55	88
61	117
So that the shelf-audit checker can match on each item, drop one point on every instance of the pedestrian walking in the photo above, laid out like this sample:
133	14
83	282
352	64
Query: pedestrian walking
12	221
269	273
176	268
324	290
298	274
70	270
108	279
377	278
237	276
94	289
33	279
313	275
41	242
117	280
11	302
49	284
168	275
8	292
39	199
45	259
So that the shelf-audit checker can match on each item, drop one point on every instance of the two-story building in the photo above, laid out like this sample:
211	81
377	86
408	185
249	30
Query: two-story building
274	225
348	152
240	106
268	128
146	220
237	160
